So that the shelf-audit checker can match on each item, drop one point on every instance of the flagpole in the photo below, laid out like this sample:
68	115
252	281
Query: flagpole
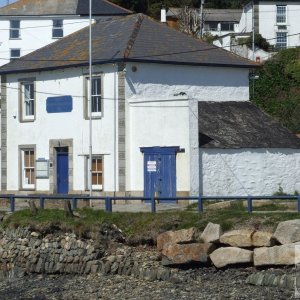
90	102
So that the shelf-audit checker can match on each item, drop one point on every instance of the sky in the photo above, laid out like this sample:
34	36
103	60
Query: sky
4	2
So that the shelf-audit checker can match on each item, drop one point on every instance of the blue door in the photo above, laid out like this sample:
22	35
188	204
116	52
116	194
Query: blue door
160	172
62	172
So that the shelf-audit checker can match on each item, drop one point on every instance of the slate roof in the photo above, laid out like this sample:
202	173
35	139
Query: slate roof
62	7
130	38
212	15
233	125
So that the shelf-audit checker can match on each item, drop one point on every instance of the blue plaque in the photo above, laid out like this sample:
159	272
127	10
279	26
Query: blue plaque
59	104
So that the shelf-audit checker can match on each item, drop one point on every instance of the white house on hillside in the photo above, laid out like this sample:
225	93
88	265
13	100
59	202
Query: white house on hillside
170	117
29	25
277	21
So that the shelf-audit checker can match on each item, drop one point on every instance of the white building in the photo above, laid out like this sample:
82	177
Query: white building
276	21
153	129
29	25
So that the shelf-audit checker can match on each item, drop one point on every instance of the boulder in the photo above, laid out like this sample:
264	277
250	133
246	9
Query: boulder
231	255
262	239
288	254
211	233
183	236
186	253
247	238
288	232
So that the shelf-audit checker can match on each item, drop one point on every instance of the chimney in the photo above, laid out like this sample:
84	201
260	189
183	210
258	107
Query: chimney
163	15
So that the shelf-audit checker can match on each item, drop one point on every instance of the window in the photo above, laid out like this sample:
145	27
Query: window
96	96
14	31
27	168
281	14
97	173
281	40
15	54
57	30
27	100
227	26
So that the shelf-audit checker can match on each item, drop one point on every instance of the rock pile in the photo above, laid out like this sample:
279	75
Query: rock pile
250	247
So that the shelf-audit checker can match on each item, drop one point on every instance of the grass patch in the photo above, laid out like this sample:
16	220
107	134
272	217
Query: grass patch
148	225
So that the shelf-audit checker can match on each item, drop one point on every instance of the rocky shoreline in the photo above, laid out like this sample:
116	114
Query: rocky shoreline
58	265
198	283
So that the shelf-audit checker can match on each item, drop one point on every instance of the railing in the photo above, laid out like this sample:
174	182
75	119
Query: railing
152	200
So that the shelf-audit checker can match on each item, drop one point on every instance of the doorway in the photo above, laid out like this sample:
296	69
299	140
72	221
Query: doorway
62	170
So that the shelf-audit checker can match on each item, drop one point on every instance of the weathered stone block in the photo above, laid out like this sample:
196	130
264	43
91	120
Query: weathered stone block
288	232
186	253
211	233
231	255
177	237
277	255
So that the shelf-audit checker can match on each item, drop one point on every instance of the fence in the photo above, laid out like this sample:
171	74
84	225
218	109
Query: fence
152	200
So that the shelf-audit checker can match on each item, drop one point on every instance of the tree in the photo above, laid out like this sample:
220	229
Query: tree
277	91
189	21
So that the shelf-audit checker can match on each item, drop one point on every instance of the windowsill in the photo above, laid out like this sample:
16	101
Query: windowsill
27	189
15	39
27	120
57	38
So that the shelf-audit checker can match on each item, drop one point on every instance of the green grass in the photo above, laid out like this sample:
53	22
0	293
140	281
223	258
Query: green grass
148	225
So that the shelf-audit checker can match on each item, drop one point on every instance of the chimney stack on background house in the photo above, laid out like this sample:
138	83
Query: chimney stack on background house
163	15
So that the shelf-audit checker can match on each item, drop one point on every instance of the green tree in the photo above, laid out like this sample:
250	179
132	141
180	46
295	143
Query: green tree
277	91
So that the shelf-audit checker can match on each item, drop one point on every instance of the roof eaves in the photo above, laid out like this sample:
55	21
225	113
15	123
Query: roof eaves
170	62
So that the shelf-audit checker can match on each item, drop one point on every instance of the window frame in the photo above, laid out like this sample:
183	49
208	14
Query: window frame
229	24
55	28
280	14
22	183
95	115
14	57
97	187
14	29
23	117
282	44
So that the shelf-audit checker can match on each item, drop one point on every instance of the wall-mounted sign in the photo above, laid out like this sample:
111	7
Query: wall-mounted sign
151	166
59	104
42	168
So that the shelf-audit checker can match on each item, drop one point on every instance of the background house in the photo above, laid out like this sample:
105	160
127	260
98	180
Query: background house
151	86
29	25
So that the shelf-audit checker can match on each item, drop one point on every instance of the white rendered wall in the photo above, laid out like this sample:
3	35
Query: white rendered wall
34	33
71	125
158	118
267	21
255	172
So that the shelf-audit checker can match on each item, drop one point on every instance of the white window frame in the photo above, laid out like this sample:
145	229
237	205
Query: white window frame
26	114
98	113
14	29
281	45
95	187
24	181
281	14
12	57
59	28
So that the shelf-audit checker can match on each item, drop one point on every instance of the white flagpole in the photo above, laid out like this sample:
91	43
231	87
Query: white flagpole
90	100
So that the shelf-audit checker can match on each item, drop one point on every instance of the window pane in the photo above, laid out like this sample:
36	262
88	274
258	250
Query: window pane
14	24
281	13
57	33
96	104
28	98
281	41
14	33
15	53
26	159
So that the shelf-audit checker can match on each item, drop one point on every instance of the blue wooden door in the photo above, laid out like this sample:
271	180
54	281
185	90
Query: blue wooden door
160	172
62	173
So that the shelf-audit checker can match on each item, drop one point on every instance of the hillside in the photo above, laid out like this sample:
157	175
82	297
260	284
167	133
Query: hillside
277	91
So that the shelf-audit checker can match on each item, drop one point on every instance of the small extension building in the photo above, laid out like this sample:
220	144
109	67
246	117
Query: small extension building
170	115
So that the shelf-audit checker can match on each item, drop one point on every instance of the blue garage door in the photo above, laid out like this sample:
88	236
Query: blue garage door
160	172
